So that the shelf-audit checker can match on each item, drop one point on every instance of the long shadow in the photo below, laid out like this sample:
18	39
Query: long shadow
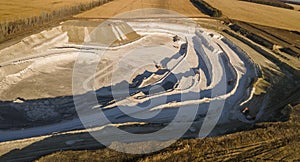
21	114
84	141
192	95
63	109
201	57
52	144
25	114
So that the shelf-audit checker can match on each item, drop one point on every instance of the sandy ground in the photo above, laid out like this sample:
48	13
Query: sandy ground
259	14
116	7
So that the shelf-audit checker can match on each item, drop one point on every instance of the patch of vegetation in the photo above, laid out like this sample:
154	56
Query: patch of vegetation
252	36
207	8
275	3
291	2
290	51
262	40
57	2
261	86
296	32
265	53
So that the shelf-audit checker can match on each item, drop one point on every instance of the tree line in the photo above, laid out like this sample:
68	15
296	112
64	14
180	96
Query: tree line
206	8
275	3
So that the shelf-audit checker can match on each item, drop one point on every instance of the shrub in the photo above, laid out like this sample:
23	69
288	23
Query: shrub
206	8
275	3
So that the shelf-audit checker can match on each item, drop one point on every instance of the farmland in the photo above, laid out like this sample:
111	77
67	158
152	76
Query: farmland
35	16
220	77
258	14
17	9
119	6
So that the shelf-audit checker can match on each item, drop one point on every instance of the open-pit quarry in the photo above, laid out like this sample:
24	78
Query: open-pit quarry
151	69
123	77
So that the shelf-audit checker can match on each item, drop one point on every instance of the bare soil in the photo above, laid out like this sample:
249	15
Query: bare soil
116	7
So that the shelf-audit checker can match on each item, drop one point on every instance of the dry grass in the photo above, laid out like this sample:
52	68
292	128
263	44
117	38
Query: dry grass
18	9
258	14
278	141
116	7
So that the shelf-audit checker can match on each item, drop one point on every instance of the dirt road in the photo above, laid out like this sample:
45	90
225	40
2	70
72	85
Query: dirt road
116	7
